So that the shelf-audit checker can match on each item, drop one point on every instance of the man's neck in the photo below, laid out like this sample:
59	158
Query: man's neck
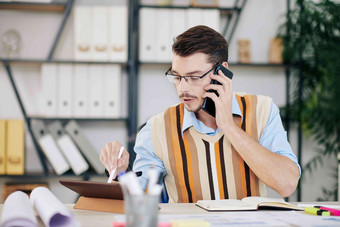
206	119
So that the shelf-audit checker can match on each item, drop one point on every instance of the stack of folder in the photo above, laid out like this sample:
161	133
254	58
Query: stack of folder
81	90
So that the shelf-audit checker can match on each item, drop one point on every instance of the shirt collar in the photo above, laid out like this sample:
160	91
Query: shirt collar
190	120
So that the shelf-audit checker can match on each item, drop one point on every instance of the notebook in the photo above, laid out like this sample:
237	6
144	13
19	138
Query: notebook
247	203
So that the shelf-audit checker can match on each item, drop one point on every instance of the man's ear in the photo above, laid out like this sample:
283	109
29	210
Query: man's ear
225	64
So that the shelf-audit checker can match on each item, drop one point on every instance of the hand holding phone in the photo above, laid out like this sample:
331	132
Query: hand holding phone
208	104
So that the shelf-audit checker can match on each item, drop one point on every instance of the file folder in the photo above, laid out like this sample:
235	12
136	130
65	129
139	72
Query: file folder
73	129
118	30
96	80
15	147
147	47
49	87
163	36
65	87
3	142
81	90
211	18
82	33
194	17
100	33
112	93
49	147
68	148
178	23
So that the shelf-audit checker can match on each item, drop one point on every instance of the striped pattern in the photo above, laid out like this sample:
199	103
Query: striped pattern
207	167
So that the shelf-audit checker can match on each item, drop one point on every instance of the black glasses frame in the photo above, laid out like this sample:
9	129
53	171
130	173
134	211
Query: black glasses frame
169	73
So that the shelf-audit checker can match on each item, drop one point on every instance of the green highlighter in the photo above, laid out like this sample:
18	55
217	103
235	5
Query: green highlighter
317	211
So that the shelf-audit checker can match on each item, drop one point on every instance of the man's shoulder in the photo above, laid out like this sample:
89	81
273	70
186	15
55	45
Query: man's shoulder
166	111
261	98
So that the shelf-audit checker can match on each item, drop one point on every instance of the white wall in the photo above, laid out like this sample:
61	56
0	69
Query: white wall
259	22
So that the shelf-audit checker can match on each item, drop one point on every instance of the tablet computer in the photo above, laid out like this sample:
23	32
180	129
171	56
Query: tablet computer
95	189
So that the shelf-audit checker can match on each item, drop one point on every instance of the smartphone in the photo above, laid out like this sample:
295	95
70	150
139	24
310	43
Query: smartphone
208	104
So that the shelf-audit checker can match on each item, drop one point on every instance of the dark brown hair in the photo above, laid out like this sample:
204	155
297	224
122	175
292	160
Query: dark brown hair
202	39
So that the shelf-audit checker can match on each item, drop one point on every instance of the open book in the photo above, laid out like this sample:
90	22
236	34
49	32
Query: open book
247	203
18	211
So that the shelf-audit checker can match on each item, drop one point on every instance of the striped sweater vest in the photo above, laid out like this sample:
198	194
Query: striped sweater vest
200	166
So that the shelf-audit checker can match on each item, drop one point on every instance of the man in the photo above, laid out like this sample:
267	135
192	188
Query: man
201	157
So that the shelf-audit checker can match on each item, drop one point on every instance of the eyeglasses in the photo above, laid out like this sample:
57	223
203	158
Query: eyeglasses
191	80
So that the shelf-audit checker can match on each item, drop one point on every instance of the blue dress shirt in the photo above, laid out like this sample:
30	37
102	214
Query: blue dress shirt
274	138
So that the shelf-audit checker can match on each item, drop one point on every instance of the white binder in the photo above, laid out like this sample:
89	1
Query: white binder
147	47
178	23
81	90
65	87
68	148
211	18
112	93
118	33
49	88
100	33
194	17
82	33
163	36
49	147
96	85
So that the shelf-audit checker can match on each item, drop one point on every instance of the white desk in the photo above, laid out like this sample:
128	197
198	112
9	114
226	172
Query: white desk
105	219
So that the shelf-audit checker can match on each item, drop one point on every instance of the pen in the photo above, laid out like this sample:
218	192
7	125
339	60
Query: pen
114	170
333	212
317	211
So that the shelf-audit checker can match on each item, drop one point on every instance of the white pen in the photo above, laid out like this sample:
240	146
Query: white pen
114	170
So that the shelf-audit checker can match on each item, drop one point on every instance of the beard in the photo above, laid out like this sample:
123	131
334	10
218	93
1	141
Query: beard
190	107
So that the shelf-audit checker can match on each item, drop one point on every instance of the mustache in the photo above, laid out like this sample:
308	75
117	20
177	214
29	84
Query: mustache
185	95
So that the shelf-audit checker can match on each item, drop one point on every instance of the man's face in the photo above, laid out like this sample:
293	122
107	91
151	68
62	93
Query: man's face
194	65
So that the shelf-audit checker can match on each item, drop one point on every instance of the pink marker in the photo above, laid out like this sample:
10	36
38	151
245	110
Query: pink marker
333	212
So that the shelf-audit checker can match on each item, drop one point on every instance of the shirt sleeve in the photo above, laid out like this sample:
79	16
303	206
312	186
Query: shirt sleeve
274	136
145	156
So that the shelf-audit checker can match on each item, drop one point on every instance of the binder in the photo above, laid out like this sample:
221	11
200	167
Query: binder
178	23
73	129
96	82
211	18
49	147
81	90
65	85
163	36
15	163
49	87
194	17
3	143
147	49
100	33
82	33
118	33
68	148
112	91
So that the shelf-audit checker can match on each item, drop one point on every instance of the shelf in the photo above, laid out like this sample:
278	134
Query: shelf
231	9
75	118
259	65
42	175
54	6
41	61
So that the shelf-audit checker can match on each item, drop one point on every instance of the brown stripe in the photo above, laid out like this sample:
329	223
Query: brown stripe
223	169
211	185
184	157
197	191
182	195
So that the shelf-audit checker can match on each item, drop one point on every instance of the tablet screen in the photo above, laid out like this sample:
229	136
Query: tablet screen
95	189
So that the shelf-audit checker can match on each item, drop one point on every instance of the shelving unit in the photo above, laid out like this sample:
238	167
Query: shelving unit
131	66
